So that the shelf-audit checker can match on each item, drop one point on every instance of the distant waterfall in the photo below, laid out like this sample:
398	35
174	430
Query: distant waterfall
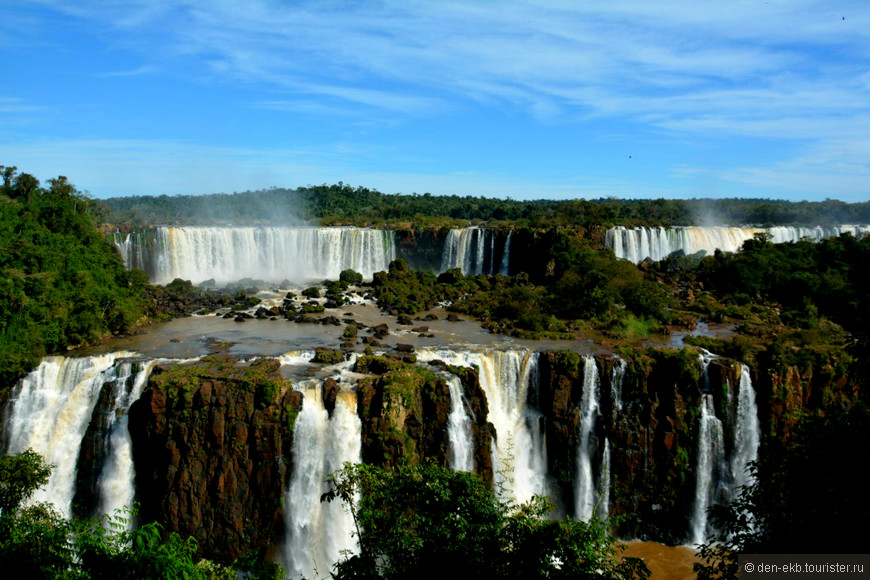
50	410
520	451
317	533
474	251
637	244
459	428
228	254
584	486
504	270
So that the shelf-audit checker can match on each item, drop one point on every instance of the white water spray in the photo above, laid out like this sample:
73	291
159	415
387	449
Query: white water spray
228	254
318	533
50	412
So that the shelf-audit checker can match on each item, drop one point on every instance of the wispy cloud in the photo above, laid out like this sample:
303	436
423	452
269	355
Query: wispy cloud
646	61
791	72
138	71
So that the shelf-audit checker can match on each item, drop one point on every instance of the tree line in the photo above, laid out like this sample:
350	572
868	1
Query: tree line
344	204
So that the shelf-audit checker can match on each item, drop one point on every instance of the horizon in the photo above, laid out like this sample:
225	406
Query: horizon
523	100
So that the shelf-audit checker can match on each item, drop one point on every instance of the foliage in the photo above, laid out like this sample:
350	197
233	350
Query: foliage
61	283
584	284
418	520
20	476
344	204
350	276
36	541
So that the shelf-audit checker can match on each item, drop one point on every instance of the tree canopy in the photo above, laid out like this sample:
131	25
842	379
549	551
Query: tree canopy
420	519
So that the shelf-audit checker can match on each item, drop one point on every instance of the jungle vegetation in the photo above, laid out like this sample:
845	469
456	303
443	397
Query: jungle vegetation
61	282
342	204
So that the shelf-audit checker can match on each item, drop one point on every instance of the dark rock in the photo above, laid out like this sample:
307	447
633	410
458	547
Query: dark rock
420	329
404	320
330	392
380	331
405	347
212	443
453	318
430	317
330	320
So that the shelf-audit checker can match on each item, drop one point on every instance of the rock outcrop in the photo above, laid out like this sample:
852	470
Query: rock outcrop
212	443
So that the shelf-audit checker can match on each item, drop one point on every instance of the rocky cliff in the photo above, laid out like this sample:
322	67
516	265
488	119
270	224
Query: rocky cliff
213	438
212	441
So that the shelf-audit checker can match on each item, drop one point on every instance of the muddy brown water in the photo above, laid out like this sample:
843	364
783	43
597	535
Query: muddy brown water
664	562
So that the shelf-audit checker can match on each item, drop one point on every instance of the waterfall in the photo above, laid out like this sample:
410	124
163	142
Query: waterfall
506	256
473	250
228	254
604	483
49	412
746	433
318	533
519	453
616	378
116	483
459	428
637	244
584	488
710	456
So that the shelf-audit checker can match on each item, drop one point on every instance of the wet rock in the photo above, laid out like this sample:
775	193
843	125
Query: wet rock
420	329
405	347
330	320
330	392
404	320
430	317
381	331
453	318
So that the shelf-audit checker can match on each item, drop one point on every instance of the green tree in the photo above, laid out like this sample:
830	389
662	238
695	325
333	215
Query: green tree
421	519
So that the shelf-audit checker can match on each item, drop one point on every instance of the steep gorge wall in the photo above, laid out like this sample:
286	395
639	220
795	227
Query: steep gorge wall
212	443
213	439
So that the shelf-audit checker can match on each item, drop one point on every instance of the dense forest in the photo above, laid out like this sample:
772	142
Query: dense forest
342	204
61	283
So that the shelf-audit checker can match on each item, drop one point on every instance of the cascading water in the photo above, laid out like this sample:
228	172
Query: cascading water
746	433
504	270
637	244
228	254
318	533
720	475
116	483
604	483
584	486
473	250
616	378
711	454
49	412
520	451
459	428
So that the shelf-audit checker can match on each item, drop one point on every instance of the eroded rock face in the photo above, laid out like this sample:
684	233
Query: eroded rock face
212	441
650	425
213	438
405	411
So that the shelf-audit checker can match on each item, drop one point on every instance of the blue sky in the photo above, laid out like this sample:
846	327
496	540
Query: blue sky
531	99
